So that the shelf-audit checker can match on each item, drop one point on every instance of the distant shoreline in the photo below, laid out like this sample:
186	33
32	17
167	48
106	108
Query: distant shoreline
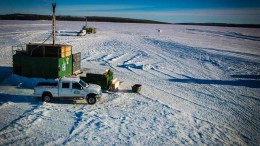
75	18
223	25
114	19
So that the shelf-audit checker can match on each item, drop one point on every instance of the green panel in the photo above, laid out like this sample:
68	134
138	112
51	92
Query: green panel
65	66
45	67
36	67
100	79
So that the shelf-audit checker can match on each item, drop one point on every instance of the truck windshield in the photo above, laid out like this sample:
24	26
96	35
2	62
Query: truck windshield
82	83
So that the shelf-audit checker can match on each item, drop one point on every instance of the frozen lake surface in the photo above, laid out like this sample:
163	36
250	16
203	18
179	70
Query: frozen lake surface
200	86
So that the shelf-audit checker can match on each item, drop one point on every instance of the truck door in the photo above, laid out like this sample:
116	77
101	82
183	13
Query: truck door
77	90
65	90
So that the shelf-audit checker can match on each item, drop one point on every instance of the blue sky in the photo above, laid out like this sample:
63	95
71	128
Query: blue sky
175	11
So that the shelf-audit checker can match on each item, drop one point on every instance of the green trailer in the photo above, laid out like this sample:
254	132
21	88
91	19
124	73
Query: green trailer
103	80
89	30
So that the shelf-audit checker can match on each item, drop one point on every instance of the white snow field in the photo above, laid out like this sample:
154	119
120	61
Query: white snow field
200	86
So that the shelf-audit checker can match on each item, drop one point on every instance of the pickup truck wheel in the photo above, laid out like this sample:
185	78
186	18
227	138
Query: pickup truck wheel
47	97
91	99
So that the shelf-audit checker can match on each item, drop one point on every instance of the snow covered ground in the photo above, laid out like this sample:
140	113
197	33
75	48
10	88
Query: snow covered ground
200	86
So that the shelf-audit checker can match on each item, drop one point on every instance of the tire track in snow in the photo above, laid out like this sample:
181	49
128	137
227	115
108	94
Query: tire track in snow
15	129
148	79
205	107
78	119
30	123
225	111
116	58
160	106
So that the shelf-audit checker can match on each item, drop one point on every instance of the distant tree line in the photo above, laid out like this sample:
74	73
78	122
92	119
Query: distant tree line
112	19
75	18
223	25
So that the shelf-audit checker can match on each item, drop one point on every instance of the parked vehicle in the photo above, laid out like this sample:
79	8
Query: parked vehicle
68	89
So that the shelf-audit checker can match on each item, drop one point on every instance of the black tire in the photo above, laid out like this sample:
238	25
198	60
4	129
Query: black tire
91	99
46	97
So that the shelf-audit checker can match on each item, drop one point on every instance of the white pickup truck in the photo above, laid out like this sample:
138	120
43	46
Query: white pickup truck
68	89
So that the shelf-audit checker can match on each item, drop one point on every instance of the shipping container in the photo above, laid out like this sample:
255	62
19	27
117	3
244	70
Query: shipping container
43	61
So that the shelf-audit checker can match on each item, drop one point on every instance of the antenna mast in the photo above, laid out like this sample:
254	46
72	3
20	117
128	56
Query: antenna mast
53	23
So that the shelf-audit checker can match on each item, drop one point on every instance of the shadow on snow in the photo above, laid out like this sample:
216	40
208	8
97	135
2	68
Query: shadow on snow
246	76
67	33
245	83
5	72
5	97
